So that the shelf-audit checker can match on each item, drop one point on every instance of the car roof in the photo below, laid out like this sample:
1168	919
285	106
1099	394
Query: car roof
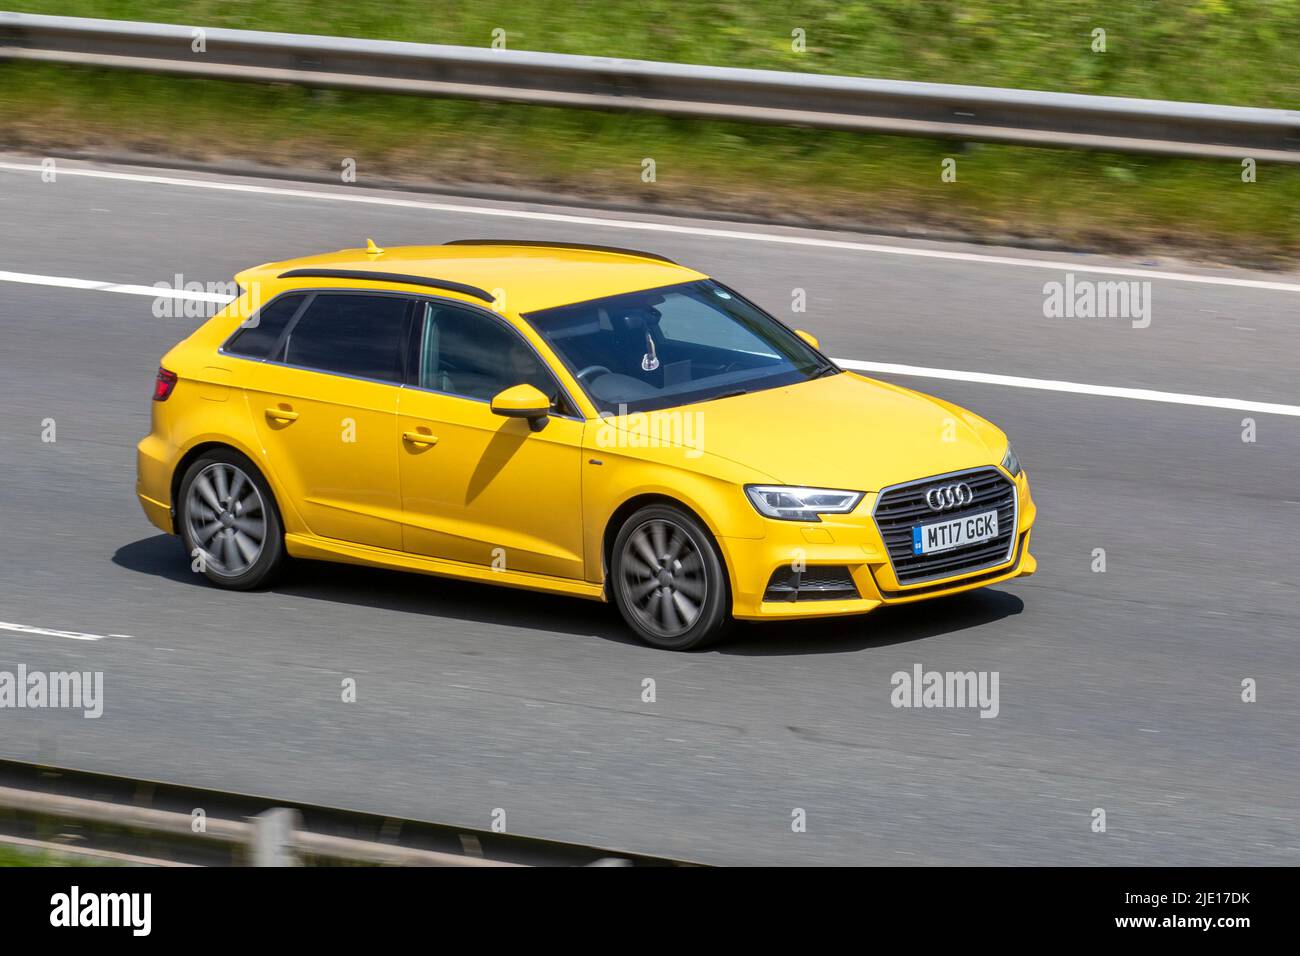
533	276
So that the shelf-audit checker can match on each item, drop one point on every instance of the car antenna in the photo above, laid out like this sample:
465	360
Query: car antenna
372	249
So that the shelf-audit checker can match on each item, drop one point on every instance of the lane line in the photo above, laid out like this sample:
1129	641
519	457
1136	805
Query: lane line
889	368
1077	388
47	632
92	285
673	228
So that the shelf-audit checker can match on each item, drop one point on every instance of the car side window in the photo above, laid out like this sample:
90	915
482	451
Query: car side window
351	334
470	355
259	335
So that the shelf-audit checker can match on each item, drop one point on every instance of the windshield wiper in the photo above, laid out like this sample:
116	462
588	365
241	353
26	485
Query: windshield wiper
732	394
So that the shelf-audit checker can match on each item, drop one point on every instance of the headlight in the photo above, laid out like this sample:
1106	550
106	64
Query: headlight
1010	462
801	504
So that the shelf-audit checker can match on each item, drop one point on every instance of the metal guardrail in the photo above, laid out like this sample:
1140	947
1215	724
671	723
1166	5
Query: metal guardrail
1024	117
114	819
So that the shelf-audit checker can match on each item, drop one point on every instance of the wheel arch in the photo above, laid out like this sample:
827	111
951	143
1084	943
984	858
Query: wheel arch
635	504
197	451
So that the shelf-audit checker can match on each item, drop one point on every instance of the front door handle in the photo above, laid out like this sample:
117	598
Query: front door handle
420	438
281	415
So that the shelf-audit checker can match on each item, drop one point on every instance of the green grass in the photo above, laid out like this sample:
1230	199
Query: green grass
1219	51
16	856
11	856
1229	51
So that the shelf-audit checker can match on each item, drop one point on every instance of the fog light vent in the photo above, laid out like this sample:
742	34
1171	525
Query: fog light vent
820	583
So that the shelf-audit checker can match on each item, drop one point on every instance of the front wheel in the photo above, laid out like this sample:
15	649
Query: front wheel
228	521
668	581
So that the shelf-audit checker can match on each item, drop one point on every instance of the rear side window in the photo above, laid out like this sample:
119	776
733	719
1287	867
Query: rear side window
260	333
361	335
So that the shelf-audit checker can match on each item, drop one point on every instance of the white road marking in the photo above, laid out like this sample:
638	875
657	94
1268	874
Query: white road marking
92	285
46	632
664	227
1078	388
986	378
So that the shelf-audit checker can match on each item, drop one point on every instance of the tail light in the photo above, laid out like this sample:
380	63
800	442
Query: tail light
163	385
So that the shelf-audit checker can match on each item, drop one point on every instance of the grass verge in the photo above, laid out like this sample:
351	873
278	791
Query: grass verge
891	184
1219	51
1229	51
20	856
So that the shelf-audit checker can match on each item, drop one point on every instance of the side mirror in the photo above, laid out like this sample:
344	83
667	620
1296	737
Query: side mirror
809	338
523	401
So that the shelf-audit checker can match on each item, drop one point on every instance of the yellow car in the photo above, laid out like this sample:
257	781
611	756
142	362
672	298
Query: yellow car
582	420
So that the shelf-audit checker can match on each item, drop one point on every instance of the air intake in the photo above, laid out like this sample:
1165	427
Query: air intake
822	583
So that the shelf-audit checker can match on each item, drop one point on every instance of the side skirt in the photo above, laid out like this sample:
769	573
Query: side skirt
325	549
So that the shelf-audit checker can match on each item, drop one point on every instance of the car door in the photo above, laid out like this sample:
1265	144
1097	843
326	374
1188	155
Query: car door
477	487
324	404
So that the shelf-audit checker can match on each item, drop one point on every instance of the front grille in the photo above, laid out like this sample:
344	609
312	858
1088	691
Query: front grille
902	507
824	583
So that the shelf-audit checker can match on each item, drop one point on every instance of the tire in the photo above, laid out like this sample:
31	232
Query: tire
226	511
678	604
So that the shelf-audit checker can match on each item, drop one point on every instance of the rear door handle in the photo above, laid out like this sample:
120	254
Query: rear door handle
281	415
420	438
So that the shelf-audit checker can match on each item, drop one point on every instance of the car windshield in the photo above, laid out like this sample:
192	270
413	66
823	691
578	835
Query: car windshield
675	345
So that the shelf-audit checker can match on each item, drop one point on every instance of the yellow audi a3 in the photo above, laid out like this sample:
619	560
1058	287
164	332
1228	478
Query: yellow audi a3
583	420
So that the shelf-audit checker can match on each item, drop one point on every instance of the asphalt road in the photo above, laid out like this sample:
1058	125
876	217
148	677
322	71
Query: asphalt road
1118	690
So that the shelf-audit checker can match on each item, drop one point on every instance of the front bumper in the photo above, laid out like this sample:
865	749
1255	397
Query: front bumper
853	541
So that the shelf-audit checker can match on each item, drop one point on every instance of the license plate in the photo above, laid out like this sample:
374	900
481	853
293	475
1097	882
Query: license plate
954	533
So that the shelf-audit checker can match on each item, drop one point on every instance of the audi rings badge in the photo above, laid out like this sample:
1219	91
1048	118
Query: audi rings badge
944	497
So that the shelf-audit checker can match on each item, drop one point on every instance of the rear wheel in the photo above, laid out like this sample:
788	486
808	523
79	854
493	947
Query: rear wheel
228	521
668	580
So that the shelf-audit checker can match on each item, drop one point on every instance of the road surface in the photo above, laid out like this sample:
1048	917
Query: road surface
1119	690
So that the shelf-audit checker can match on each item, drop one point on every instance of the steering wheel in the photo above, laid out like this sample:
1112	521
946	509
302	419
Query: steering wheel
592	368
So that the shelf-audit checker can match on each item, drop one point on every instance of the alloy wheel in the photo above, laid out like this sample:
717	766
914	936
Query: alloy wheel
226	518
663	577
